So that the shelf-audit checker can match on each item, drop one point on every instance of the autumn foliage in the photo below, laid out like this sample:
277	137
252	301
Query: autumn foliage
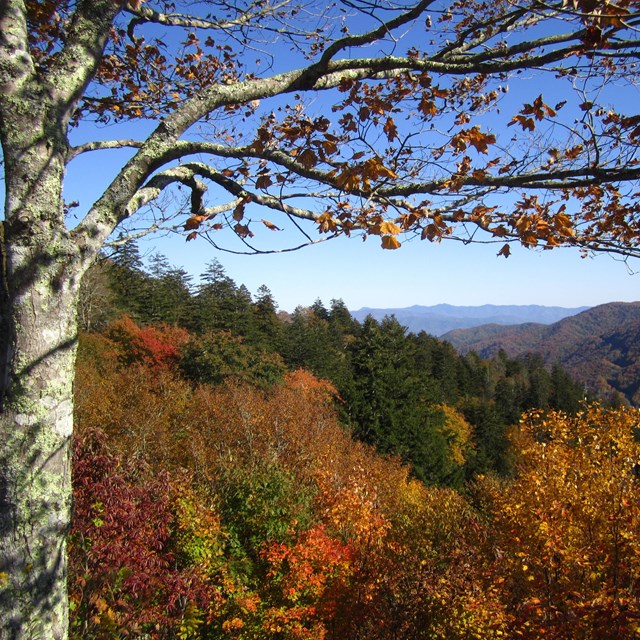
567	528
232	511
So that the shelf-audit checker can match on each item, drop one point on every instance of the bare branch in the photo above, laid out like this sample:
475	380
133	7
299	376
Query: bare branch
101	145
376	34
253	15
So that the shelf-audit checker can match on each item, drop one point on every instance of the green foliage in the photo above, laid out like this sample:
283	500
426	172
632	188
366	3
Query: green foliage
267	328
128	280
217	355
219	304
167	295
264	504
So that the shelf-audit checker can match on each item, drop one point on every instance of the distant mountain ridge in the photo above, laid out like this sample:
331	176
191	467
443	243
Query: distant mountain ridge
600	346
442	318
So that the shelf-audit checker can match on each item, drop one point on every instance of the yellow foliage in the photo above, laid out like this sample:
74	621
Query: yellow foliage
458	433
568	527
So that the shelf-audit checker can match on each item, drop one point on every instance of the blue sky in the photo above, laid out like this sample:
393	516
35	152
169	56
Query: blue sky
362	274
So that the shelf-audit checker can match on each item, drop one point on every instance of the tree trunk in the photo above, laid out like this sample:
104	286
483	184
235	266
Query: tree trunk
36	422
41	266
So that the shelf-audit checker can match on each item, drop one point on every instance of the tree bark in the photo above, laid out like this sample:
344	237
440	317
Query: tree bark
35	459
41	271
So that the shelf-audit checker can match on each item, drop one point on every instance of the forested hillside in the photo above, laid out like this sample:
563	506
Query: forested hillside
407	395
599	347
229	482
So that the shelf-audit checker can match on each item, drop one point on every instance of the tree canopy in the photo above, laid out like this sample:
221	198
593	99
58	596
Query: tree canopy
379	118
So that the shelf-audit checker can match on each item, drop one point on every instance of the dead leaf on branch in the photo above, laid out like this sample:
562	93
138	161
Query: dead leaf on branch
505	251
243	231
194	222
472	137
390	242
390	228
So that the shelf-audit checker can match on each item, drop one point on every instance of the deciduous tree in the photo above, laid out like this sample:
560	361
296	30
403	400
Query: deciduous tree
566	528
405	140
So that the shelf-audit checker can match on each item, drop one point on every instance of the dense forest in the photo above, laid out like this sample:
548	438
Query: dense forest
241	473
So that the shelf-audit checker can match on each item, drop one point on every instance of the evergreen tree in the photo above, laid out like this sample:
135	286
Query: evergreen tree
341	321
128	280
176	282
308	343
219	304
492	450
540	388
567	394
373	401
267	328
157	303
319	310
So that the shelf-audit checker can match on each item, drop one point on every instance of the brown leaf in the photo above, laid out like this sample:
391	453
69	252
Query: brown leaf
194	222
243	230
505	251
390	242
238	212
270	225
391	130
308	159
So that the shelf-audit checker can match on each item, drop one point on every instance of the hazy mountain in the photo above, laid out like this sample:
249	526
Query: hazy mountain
441	318
600	346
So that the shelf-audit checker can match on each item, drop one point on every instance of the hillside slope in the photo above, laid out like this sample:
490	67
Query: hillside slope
600	346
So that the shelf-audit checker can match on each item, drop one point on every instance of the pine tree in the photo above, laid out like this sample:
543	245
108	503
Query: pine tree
219	304
128	280
267	328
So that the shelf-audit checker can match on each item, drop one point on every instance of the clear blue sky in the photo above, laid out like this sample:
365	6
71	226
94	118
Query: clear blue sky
363	274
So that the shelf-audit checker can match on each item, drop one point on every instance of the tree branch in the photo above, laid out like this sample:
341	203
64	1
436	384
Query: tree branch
143	14
101	145
75	66
367	38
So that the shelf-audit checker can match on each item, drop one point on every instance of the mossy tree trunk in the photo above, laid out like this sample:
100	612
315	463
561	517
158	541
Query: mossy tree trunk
35	452
41	269
42	263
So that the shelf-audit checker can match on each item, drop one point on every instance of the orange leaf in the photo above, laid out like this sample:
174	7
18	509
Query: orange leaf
194	222
390	242
270	225
390	228
390	129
